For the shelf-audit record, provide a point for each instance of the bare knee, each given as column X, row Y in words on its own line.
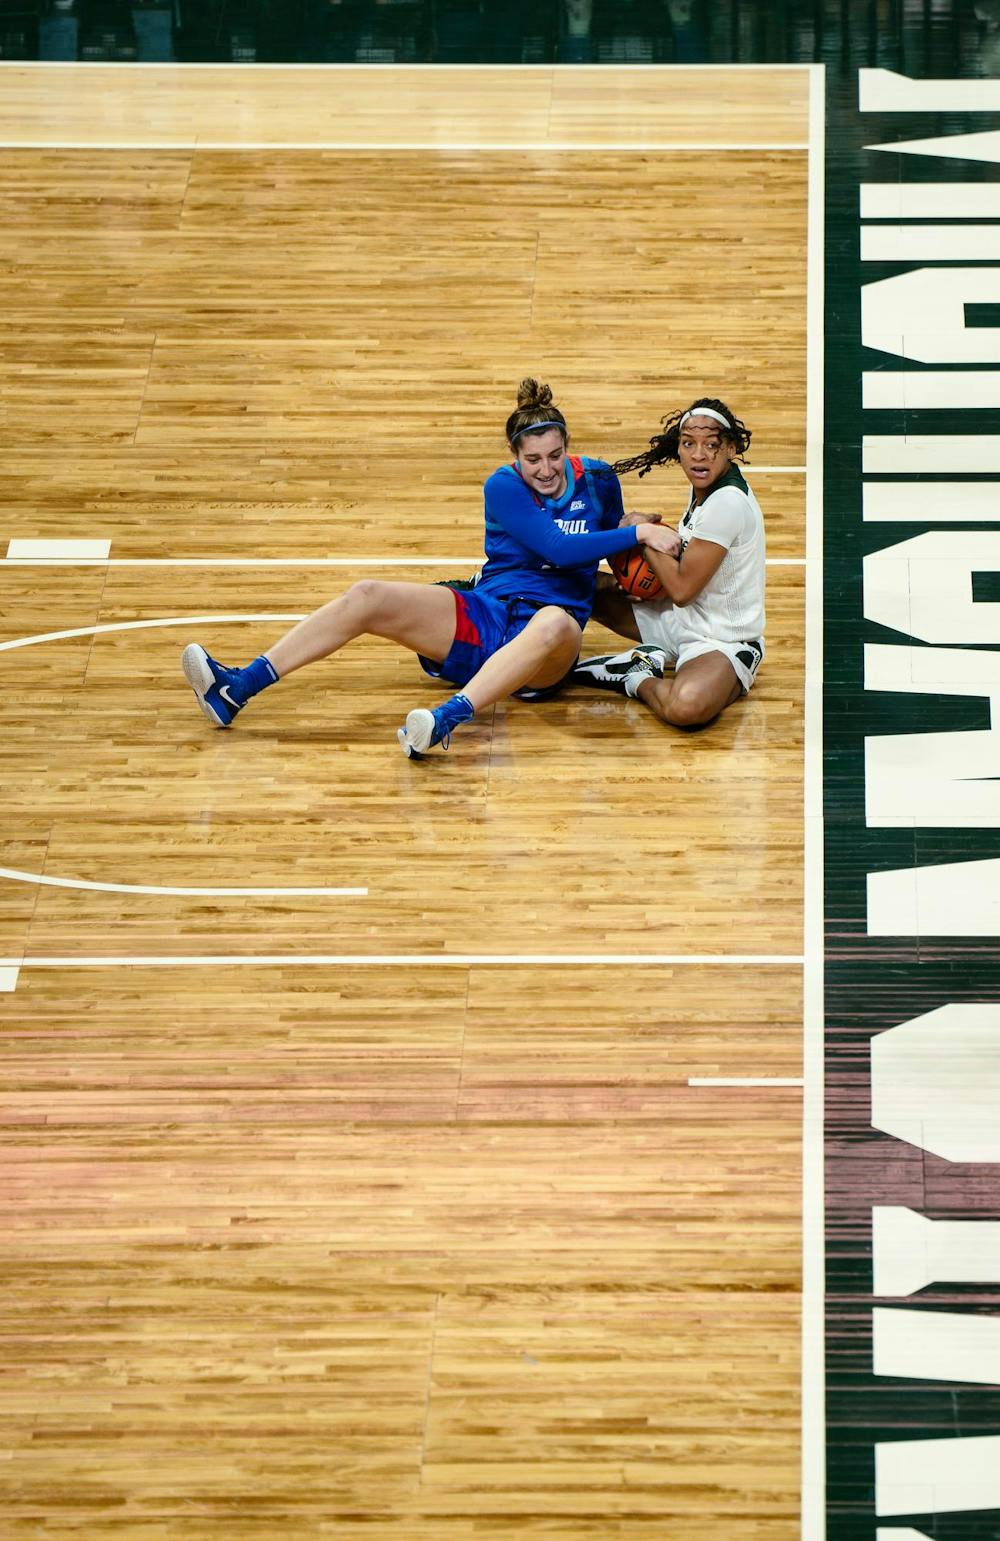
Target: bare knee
column 689, row 707
column 367, row 596
column 679, row 702
column 556, row 629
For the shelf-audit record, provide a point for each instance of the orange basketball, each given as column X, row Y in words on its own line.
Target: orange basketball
column 634, row 574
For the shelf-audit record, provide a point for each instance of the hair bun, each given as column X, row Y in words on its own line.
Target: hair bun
column 532, row 397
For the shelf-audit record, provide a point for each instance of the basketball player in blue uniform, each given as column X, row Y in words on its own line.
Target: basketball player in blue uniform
column 550, row 518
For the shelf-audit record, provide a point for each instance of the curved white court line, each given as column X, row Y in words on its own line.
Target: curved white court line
column 177, row 620
column 141, row 888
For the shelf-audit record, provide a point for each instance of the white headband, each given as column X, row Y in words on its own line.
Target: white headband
column 706, row 412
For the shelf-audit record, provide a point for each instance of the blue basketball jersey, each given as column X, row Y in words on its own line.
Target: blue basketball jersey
column 546, row 550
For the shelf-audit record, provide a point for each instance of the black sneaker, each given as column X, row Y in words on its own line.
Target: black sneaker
column 612, row 670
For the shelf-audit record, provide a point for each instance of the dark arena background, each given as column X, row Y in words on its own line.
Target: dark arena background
column 594, row 1134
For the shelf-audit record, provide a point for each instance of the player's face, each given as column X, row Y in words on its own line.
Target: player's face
column 542, row 461
column 704, row 453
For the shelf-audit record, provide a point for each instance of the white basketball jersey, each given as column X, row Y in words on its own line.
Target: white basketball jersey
column 730, row 608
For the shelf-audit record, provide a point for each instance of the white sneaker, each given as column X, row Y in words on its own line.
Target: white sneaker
column 417, row 733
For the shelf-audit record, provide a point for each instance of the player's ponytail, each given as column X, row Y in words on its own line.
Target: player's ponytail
column 535, row 412
column 663, row 447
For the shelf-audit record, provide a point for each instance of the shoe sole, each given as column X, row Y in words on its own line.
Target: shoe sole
column 416, row 733
column 194, row 662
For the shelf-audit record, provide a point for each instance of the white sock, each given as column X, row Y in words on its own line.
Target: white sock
column 635, row 677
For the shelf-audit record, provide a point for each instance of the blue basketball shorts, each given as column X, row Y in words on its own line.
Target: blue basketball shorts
column 482, row 625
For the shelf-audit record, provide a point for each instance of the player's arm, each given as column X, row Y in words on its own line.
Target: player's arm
column 671, row 536
column 634, row 518
column 719, row 526
column 510, row 504
column 686, row 575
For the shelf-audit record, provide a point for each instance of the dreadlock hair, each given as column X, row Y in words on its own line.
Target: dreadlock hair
column 663, row 446
column 535, row 410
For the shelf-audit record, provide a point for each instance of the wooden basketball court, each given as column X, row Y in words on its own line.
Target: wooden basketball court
column 369, row 1162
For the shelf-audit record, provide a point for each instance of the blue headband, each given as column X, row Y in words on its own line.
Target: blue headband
column 532, row 426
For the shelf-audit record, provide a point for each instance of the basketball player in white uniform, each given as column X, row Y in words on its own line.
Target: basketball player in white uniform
column 710, row 625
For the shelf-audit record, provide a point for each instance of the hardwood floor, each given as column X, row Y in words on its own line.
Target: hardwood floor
column 433, row 1239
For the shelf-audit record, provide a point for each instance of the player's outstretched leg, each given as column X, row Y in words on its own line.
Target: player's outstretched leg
column 420, row 616
column 424, row 729
column 621, row 672
column 222, row 692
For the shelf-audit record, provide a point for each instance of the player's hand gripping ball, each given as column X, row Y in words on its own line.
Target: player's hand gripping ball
column 634, row 574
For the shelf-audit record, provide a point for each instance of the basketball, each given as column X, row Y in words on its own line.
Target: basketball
column 634, row 574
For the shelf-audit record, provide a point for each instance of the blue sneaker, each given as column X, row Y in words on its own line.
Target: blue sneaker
column 425, row 729
column 212, row 684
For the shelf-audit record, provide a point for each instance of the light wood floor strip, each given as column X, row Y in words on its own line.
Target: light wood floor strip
column 421, row 105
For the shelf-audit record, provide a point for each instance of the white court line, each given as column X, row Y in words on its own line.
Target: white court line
column 248, row 562
column 410, row 960
column 175, row 620
column 440, row 147
column 813, row 1376
column 288, row 561
column 735, row 1080
column 8, row 977
column 175, row 65
column 143, row 888
column 62, row 550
